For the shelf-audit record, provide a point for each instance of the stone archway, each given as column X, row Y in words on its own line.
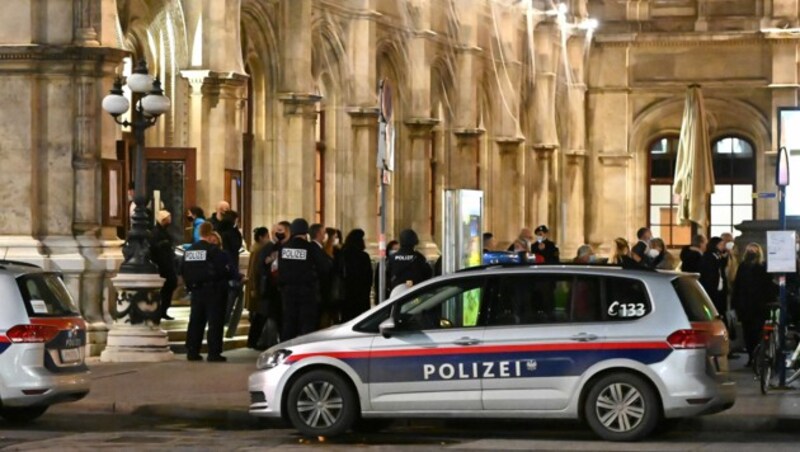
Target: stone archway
column 725, row 117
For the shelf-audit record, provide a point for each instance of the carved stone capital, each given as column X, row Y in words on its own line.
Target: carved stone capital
column 300, row 104
column 615, row 159
column 207, row 82
column 575, row 157
column 466, row 136
column 363, row 116
column 421, row 127
column 509, row 145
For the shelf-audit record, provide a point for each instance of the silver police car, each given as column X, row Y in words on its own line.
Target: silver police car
column 618, row 349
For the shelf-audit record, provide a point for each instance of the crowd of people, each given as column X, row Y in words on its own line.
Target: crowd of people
column 303, row 277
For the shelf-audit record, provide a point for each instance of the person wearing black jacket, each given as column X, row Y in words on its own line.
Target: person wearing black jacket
column 351, row 265
column 206, row 272
column 545, row 247
column 300, row 266
column 269, row 309
column 407, row 266
column 753, row 289
column 713, row 276
column 692, row 255
column 231, row 243
column 162, row 254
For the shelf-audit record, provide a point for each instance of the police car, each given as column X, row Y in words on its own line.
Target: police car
column 42, row 343
column 618, row 349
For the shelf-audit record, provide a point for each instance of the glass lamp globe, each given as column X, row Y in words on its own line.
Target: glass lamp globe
column 115, row 103
column 140, row 81
column 155, row 103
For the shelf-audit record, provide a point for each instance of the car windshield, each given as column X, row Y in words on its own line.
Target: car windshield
column 45, row 295
column 696, row 304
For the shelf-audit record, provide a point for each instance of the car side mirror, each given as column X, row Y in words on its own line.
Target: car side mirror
column 387, row 327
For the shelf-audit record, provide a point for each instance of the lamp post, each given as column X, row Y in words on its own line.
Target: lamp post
column 136, row 335
column 782, row 180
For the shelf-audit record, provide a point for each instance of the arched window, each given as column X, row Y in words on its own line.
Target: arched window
column 734, row 174
column 663, row 209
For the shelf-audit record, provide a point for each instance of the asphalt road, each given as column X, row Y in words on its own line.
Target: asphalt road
column 57, row 431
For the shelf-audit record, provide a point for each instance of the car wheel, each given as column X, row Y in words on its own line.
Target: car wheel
column 622, row 407
column 21, row 415
column 322, row 403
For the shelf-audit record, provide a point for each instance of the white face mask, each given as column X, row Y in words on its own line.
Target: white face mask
column 540, row 238
column 653, row 253
column 729, row 246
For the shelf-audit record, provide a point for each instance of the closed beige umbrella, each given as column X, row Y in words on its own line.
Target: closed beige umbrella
column 694, row 168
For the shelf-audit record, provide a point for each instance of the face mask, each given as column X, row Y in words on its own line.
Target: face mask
column 336, row 241
column 653, row 253
column 280, row 236
column 392, row 252
column 749, row 256
column 539, row 239
column 729, row 246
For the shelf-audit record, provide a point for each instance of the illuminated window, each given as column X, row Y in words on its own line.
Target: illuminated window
column 663, row 205
column 734, row 173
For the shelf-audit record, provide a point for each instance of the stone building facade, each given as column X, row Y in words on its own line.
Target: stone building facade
column 558, row 123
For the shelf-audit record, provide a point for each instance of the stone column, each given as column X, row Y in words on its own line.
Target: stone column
column 542, row 163
column 575, row 152
column 360, row 197
column 296, row 156
column 464, row 159
column 417, row 179
column 214, row 103
column 510, row 211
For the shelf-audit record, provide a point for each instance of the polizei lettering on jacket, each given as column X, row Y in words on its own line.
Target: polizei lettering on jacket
column 487, row 369
column 295, row 254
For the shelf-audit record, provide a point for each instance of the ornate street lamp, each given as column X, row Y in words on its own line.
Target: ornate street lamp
column 136, row 335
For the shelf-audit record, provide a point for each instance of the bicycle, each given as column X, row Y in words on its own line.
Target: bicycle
column 767, row 352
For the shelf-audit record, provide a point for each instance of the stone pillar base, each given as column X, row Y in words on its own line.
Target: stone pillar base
column 136, row 335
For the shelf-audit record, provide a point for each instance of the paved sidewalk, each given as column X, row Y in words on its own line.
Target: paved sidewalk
column 218, row 392
column 175, row 389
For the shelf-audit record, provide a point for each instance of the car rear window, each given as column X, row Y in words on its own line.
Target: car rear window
column 45, row 295
column 695, row 301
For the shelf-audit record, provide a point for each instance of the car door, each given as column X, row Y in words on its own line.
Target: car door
column 546, row 326
column 426, row 364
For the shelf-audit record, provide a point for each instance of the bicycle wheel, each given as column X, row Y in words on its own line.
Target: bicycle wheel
column 763, row 365
column 756, row 360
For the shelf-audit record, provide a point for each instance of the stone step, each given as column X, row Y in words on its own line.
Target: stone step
column 176, row 331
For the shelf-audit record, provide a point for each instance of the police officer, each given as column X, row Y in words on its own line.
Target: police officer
column 206, row 272
column 300, row 266
column 544, row 247
column 406, row 266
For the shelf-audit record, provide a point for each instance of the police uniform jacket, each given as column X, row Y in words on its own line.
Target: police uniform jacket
column 406, row 265
column 206, row 265
column 302, row 263
column 550, row 252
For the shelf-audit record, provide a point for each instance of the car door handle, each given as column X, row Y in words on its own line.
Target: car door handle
column 467, row 341
column 584, row 337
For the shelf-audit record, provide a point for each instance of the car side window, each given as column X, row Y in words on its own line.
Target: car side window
column 455, row 304
column 545, row 299
column 625, row 299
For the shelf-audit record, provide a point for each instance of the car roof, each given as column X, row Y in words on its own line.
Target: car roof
column 584, row 269
column 17, row 269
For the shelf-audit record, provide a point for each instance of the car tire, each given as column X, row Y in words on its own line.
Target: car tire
column 22, row 415
column 622, row 407
column 322, row 403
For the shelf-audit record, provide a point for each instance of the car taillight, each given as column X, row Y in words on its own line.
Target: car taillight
column 688, row 339
column 31, row 333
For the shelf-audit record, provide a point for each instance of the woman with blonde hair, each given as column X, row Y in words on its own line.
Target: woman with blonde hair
column 622, row 254
column 752, row 291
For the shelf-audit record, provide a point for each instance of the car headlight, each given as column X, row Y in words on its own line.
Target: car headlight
column 269, row 360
